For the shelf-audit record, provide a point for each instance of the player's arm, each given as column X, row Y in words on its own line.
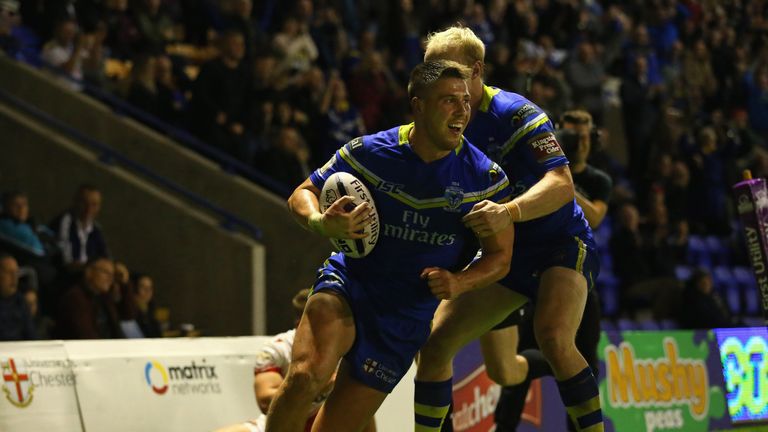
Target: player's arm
column 490, row 267
column 265, row 385
column 336, row 222
column 594, row 210
column 553, row 191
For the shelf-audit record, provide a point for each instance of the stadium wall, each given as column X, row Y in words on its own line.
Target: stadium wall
column 292, row 255
column 208, row 276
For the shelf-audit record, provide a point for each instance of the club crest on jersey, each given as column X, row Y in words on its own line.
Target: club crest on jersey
column 454, row 195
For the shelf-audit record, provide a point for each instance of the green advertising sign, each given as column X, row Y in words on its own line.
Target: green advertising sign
column 661, row 381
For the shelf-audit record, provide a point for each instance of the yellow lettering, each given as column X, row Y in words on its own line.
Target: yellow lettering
column 647, row 382
column 657, row 382
column 662, row 379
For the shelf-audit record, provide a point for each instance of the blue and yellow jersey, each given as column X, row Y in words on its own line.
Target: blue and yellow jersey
column 420, row 207
column 518, row 135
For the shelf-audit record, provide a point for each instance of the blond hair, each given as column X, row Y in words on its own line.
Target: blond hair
column 459, row 38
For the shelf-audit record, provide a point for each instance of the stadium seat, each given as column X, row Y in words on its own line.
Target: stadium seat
column 131, row 329
column 754, row 321
column 649, row 325
column 719, row 250
column 608, row 288
column 668, row 324
column 745, row 278
column 698, row 253
column 733, row 299
column 606, row 261
column 625, row 324
column 722, row 277
column 683, row 273
column 751, row 301
column 607, row 325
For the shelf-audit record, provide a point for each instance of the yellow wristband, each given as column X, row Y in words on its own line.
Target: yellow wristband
column 315, row 223
column 519, row 212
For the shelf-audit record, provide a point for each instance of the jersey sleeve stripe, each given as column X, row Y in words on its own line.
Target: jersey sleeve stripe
column 526, row 129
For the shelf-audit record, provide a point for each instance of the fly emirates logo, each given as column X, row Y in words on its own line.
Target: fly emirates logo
column 414, row 227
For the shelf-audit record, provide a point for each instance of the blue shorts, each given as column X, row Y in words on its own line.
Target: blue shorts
column 386, row 341
column 530, row 261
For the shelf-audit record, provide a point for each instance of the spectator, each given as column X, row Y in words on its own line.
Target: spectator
column 9, row 19
column 639, row 100
column 15, row 320
column 586, row 75
column 144, row 289
column 43, row 324
column 757, row 98
column 155, row 26
column 288, row 159
column 142, row 90
column 704, row 308
column 79, row 235
column 296, row 49
column 123, row 35
column 221, row 97
column 240, row 18
column 87, row 310
column 374, row 91
column 593, row 186
column 343, row 121
column 65, row 52
column 707, row 192
column 122, row 292
column 96, row 54
column 699, row 78
column 15, row 223
column 170, row 94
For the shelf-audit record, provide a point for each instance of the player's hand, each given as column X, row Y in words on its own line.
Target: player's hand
column 487, row 218
column 344, row 220
column 443, row 284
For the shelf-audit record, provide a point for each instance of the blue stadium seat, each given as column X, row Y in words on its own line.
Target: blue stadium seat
column 698, row 253
column 752, row 301
column 719, row 250
column 668, row 324
column 733, row 299
column 608, row 287
column 607, row 325
column 625, row 324
column 606, row 261
column 683, row 273
column 649, row 324
column 722, row 276
column 754, row 321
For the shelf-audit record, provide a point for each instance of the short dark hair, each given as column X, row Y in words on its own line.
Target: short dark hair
column 427, row 73
column 10, row 196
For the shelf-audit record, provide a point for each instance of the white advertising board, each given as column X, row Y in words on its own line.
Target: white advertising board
column 38, row 390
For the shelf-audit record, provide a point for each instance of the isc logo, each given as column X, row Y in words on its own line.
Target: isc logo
column 386, row 186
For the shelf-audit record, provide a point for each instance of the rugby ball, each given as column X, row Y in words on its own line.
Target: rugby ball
column 338, row 185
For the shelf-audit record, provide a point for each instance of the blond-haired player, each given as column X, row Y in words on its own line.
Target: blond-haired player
column 554, row 260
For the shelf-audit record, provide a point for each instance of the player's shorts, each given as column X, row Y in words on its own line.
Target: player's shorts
column 529, row 261
column 517, row 317
column 386, row 341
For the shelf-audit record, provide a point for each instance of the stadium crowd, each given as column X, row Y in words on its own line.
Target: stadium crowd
column 678, row 91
